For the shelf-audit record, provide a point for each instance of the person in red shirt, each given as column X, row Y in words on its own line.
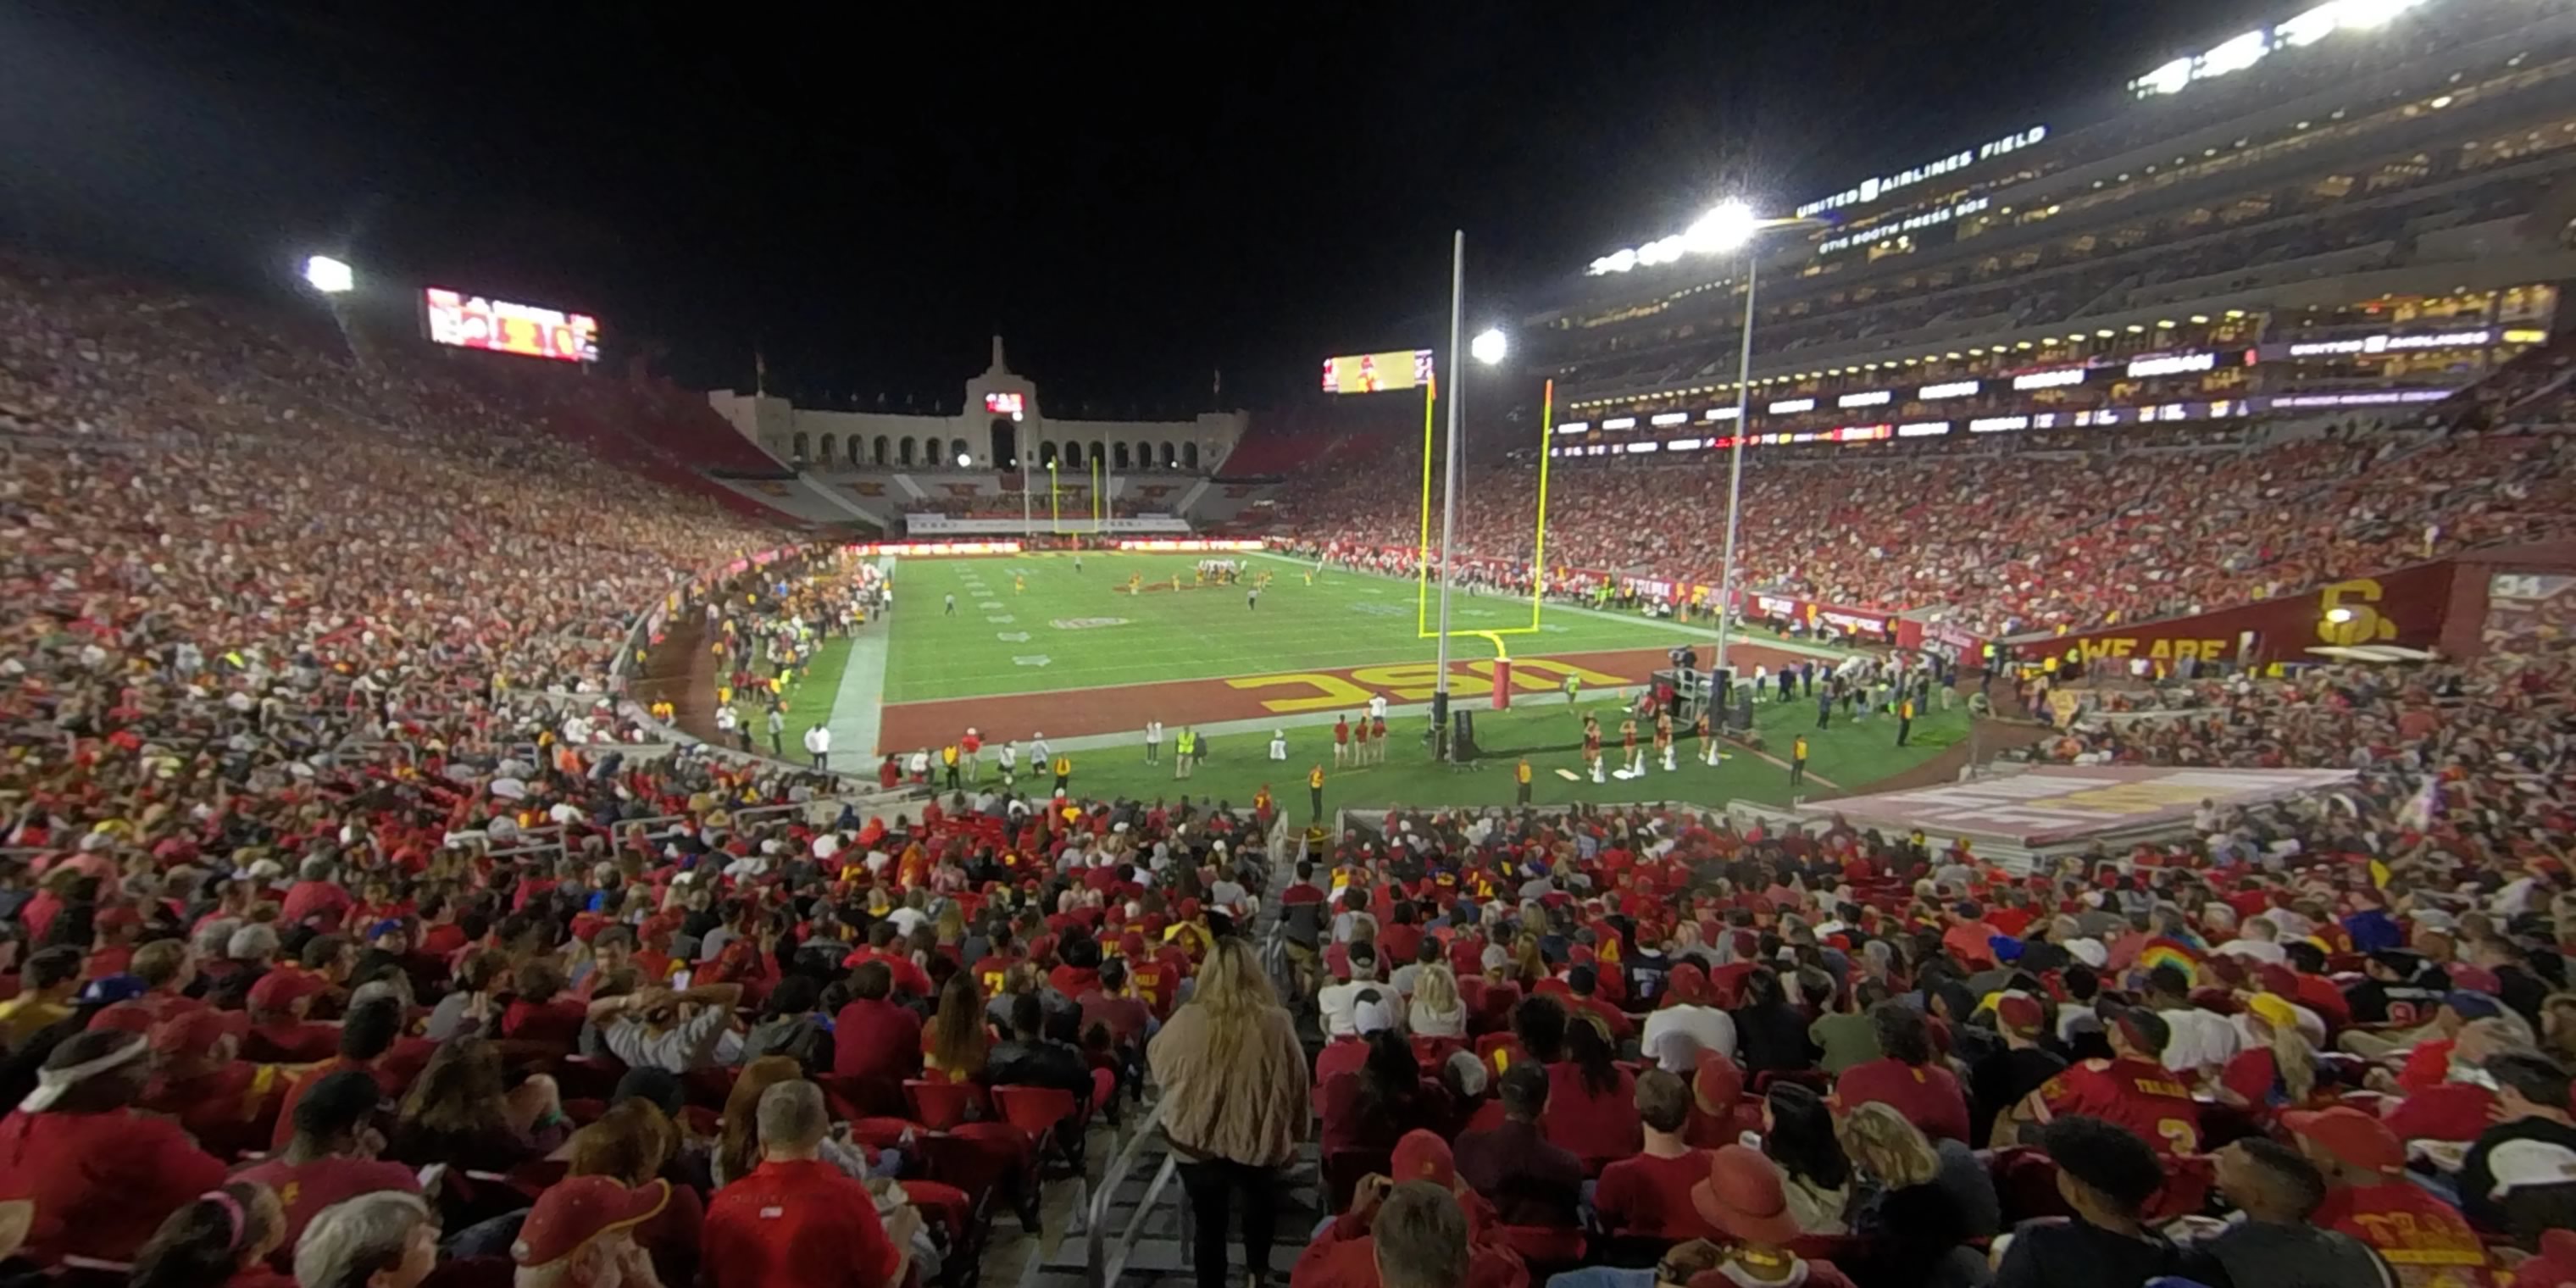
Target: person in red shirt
column 112, row 951
column 1110, row 1003
column 440, row 936
column 582, row 1231
column 1905, row 1077
column 372, row 1043
column 1303, row 889
column 902, row 972
column 797, row 1221
column 278, row 1029
column 1591, row 1101
column 1648, row 1195
column 317, row 898
column 2132, row 1089
column 542, row 1013
column 873, row 1037
column 330, row 1155
column 229, row 1105
column 1419, row 1219
column 90, row 1176
column 1582, row 983
column 167, row 967
column 2425, row 1240
column 1969, row 935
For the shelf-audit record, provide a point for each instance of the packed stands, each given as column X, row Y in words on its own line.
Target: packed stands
column 2007, row 538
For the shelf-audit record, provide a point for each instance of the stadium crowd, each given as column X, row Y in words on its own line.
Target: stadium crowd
column 2003, row 540
column 338, row 952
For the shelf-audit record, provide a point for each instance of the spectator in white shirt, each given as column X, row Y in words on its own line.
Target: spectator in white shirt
column 658, row 1028
column 1687, row 1010
column 2257, row 941
column 1339, row 1002
column 2202, row 1040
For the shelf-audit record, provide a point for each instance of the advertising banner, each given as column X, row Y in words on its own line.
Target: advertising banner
column 2405, row 607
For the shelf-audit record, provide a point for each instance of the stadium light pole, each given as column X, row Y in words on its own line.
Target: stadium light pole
column 1733, row 226
column 1490, row 346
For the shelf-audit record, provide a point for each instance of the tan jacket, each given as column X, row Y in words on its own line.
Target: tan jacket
column 1250, row 1110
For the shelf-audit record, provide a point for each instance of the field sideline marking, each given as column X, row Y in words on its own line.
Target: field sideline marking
column 857, row 711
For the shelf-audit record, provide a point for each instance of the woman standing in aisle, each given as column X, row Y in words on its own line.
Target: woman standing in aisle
column 1233, row 1078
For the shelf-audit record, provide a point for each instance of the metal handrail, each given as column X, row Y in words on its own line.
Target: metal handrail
column 1102, row 1263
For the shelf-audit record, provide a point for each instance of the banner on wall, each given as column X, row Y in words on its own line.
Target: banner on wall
column 2406, row 608
column 1187, row 547
column 901, row 548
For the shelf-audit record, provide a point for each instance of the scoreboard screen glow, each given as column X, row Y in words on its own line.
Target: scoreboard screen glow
column 1370, row 373
column 480, row 322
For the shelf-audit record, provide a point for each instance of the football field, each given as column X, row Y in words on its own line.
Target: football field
column 1031, row 624
column 1085, row 658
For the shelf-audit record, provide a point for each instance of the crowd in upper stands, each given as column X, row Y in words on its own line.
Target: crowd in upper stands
column 2001, row 540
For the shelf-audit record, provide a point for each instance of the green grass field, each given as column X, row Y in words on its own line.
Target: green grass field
column 1849, row 753
column 1091, row 633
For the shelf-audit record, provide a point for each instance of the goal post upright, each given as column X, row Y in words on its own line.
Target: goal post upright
column 1538, row 545
column 1422, row 547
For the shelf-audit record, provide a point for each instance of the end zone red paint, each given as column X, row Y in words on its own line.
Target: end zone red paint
column 1125, row 708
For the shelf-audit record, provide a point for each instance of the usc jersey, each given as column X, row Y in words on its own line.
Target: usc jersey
column 2137, row 1094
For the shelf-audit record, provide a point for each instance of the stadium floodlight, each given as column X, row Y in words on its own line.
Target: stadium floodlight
column 1489, row 346
column 964, row 460
column 1724, row 229
column 328, row 275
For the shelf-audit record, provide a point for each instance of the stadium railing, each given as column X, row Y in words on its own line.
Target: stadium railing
column 1105, row 1255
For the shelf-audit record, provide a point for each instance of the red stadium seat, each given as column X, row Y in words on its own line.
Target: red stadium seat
column 940, row 1104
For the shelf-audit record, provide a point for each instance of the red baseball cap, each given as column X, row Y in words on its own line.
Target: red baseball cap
column 195, row 1032
column 2019, row 1012
column 577, row 1210
column 280, row 989
column 1686, row 983
column 1716, row 1084
column 2350, row 1135
column 1422, row 1156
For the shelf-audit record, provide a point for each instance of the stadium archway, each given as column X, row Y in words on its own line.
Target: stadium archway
column 825, row 455
column 1099, row 453
column 1144, row 456
column 880, row 450
column 857, row 450
column 1046, row 456
column 1072, row 455
column 956, row 450
column 906, row 452
column 801, row 445
column 1006, row 444
column 1118, row 459
column 1168, row 456
column 1190, row 455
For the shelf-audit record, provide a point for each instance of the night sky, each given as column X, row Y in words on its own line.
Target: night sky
column 1134, row 198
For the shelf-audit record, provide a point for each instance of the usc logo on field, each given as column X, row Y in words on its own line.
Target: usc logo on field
column 2346, row 614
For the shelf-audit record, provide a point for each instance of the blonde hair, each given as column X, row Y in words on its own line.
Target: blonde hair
column 1882, row 1143
column 2292, row 1058
column 1234, row 996
column 1435, row 991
